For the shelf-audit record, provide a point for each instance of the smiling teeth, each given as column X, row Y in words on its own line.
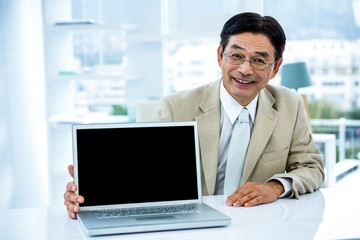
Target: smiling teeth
column 241, row 81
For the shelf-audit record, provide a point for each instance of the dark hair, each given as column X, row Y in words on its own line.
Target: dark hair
column 255, row 23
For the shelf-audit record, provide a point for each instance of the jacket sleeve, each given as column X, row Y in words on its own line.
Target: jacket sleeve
column 305, row 166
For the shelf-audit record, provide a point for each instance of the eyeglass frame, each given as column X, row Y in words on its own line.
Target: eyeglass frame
column 250, row 61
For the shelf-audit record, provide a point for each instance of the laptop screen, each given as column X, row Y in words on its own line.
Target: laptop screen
column 136, row 162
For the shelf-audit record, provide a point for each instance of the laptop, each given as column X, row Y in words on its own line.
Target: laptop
column 140, row 177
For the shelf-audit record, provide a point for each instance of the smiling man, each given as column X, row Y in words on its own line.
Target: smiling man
column 281, row 159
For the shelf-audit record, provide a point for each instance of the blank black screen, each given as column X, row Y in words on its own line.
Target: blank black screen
column 137, row 164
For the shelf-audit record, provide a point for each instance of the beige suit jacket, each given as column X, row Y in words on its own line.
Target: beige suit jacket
column 281, row 144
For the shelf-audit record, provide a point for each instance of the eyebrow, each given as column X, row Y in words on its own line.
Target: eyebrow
column 263, row 54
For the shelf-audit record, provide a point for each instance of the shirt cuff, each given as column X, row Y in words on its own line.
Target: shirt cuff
column 286, row 184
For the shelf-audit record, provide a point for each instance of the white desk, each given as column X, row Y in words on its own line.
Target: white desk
column 330, row 213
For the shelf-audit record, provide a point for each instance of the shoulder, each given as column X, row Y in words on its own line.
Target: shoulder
column 280, row 94
column 187, row 104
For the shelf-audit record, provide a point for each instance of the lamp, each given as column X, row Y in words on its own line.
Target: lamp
column 296, row 75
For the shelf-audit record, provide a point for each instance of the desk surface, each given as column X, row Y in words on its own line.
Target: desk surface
column 330, row 213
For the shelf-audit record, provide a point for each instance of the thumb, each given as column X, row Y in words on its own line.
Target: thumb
column 71, row 170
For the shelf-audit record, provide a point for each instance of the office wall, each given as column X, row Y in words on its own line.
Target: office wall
column 22, row 106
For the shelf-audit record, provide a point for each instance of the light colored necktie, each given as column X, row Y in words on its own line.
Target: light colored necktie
column 237, row 151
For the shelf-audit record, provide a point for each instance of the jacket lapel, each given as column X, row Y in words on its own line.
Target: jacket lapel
column 265, row 121
column 209, row 134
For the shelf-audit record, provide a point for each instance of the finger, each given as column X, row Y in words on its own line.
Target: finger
column 71, row 187
column 73, row 198
column 234, row 199
column 73, row 210
column 72, row 214
column 231, row 199
column 73, row 207
column 238, row 201
column 254, row 201
column 242, row 192
column 71, row 170
column 241, row 197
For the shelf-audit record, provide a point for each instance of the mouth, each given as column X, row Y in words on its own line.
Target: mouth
column 242, row 81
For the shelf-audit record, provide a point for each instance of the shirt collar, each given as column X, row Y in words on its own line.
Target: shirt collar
column 232, row 108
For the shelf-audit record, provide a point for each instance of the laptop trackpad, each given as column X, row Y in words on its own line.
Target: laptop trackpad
column 155, row 218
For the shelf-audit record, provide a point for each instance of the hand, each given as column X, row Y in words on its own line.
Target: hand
column 71, row 198
column 251, row 194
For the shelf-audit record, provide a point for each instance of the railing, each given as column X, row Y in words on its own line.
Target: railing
column 347, row 135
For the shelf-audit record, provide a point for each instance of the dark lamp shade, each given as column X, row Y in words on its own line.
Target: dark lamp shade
column 295, row 75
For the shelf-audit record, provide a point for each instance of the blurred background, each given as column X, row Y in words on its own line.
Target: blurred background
column 81, row 61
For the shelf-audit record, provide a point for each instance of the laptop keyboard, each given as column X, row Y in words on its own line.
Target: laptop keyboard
column 141, row 211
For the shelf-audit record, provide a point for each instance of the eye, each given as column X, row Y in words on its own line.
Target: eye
column 259, row 61
column 236, row 56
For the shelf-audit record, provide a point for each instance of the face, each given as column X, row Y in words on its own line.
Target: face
column 242, row 81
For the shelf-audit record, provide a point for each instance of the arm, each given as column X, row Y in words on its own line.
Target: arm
column 304, row 166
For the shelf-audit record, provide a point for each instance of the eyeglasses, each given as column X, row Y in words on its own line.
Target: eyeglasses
column 256, row 63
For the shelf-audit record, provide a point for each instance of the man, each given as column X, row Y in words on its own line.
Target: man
column 282, row 159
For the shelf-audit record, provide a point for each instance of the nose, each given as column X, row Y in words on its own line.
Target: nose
column 245, row 68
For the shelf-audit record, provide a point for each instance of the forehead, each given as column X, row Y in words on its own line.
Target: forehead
column 251, row 43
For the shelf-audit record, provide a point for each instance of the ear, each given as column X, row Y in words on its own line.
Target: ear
column 276, row 68
column 219, row 55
